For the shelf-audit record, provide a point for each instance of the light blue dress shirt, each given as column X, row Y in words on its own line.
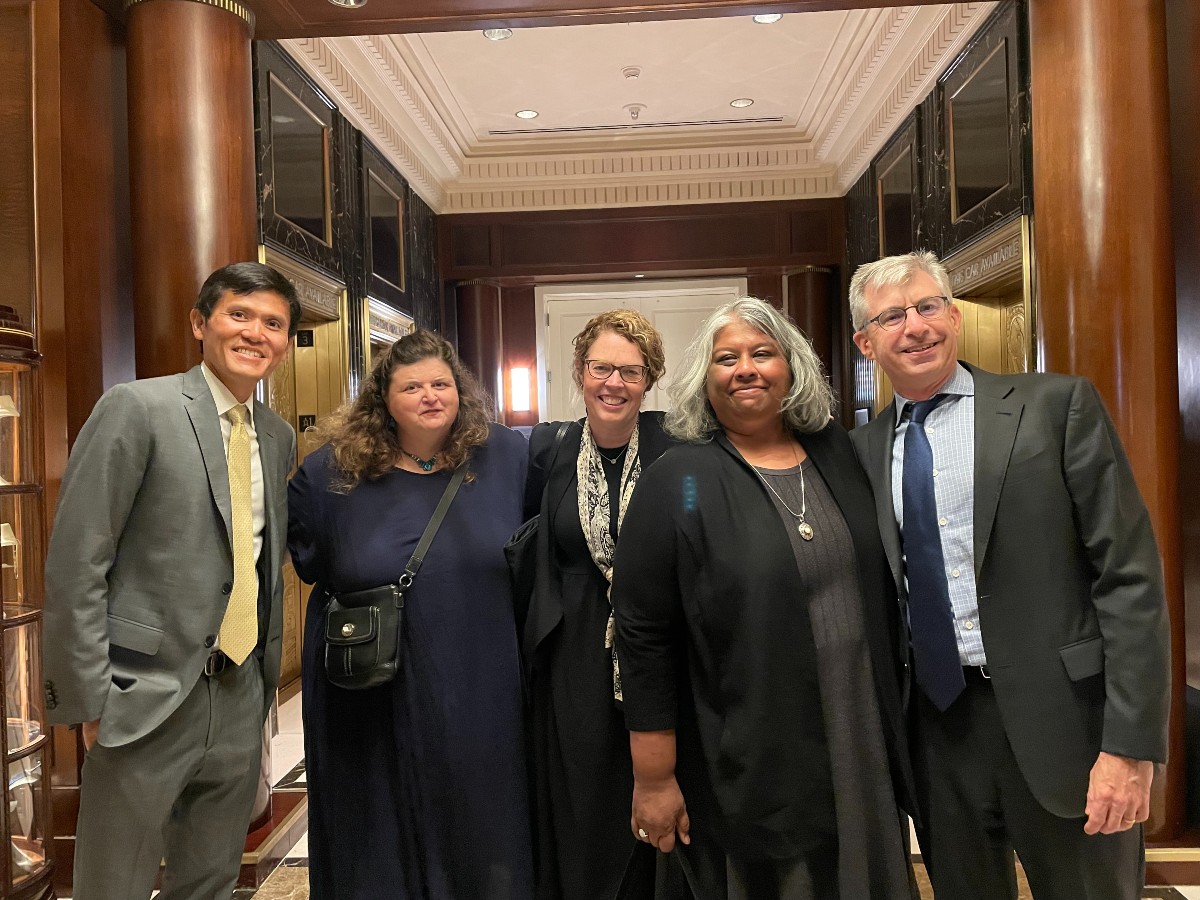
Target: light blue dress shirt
column 951, row 432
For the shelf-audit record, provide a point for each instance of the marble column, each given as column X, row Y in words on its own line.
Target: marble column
column 192, row 166
column 1104, row 260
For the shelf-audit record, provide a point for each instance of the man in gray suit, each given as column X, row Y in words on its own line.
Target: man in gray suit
column 163, row 592
column 1034, row 597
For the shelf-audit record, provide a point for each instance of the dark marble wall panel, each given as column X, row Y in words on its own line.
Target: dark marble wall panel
column 1002, row 41
column 900, row 215
column 424, row 282
column 862, row 246
column 270, row 62
column 933, row 222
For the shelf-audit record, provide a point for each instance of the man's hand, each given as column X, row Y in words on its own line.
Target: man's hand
column 90, row 731
column 659, row 813
column 1118, row 794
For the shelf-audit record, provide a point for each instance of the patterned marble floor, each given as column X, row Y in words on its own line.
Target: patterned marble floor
column 290, row 880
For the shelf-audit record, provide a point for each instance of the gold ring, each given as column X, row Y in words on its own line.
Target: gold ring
column 643, row 835
column 1129, row 821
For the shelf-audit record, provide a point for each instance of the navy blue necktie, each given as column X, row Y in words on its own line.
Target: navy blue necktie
column 935, row 648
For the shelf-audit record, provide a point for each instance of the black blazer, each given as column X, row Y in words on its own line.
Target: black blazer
column 706, row 594
column 546, row 491
column 1069, row 579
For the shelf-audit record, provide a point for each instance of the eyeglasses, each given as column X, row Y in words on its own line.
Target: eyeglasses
column 893, row 316
column 602, row 370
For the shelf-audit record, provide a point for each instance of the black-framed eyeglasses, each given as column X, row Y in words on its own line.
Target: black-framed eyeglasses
column 601, row 371
column 893, row 316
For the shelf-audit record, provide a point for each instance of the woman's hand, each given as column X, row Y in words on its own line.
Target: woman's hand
column 659, row 813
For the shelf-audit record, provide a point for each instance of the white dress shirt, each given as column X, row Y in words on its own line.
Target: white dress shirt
column 950, row 428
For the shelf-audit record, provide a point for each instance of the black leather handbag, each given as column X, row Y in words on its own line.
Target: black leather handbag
column 521, row 550
column 362, row 628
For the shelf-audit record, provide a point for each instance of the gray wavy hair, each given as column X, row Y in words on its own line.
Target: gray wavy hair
column 808, row 405
column 893, row 270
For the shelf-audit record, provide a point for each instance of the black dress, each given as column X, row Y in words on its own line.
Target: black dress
column 719, row 642
column 417, row 788
column 583, row 777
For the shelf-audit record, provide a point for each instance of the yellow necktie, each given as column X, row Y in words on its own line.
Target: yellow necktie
column 239, row 628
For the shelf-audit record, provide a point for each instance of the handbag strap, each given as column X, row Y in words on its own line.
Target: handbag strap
column 431, row 529
column 558, row 439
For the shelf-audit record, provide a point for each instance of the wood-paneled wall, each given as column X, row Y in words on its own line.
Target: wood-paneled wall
column 664, row 240
column 763, row 241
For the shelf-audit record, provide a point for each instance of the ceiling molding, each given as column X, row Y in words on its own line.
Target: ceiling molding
column 883, row 63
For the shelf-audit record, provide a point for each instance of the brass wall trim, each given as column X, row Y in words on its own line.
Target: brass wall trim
column 1172, row 854
column 230, row 6
column 384, row 324
column 996, row 255
column 320, row 295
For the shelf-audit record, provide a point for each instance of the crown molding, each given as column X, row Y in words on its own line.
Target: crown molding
column 390, row 89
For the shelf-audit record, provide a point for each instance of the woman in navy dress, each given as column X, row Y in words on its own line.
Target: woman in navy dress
column 417, row 788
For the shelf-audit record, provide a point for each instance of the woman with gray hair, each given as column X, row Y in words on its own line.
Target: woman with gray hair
column 758, row 633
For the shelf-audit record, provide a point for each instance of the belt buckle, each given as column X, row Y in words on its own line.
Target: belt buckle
column 215, row 662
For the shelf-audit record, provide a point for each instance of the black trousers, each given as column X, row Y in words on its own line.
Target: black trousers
column 977, row 810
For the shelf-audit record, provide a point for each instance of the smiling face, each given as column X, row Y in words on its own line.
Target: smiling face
column 244, row 339
column 748, row 378
column 920, row 354
column 422, row 399
column 612, row 404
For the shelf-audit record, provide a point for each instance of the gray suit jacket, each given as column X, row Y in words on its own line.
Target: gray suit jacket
column 140, row 566
column 1069, row 579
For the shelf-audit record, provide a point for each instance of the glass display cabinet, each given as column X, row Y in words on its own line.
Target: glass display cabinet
column 25, row 868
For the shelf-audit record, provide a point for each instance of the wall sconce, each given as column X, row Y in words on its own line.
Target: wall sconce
column 519, row 389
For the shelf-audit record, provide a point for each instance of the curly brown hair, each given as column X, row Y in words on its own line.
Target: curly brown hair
column 363, row 434
column 631, row 325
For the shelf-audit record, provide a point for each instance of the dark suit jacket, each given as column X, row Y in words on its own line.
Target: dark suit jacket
column 715, row 641
column 1069, row 580
column 140, row 564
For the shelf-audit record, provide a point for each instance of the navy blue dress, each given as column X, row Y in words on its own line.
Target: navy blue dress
column 417, row 788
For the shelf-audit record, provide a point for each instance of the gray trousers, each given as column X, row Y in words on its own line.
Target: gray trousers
column 182, row 793
column 978, row 810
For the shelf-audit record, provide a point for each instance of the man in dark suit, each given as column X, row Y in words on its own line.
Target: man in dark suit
column 1034, row 597
column 163, row 591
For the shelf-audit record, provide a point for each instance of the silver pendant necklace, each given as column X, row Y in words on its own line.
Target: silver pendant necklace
column 612, row 461
column 805, row 530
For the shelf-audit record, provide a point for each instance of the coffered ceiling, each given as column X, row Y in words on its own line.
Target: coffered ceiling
column 638, row 113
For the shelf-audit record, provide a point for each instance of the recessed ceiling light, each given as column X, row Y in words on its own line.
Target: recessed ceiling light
column 527, row 114
column 349, row 4
column 768, row 18
column 639, row 276
column 741, row 102
column 497, row 34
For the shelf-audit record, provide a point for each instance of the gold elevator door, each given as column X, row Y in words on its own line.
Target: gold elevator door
column 305, row 389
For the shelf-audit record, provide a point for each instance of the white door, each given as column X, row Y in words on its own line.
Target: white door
column 676, row 309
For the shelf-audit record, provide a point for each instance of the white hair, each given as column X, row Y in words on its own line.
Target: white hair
column 892, row 270
column 808, row 405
